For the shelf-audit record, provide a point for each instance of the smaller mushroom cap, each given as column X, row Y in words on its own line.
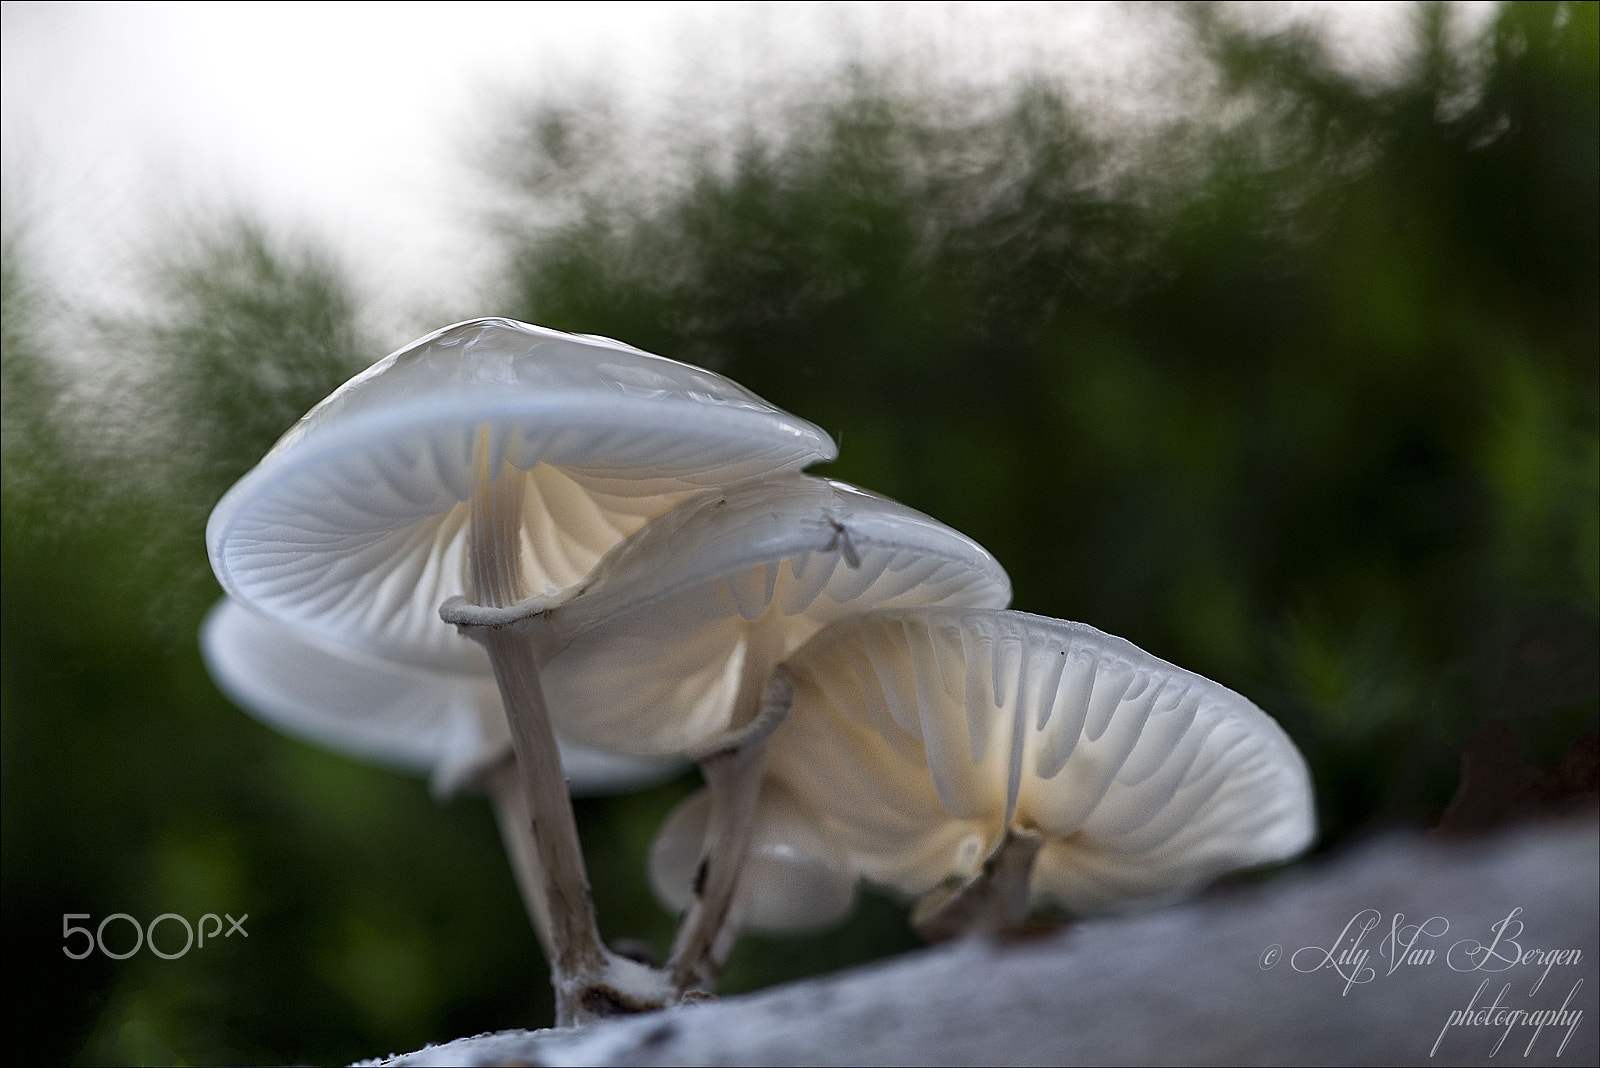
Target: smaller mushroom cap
column 795, row 878
column 693, row 611
column 921, row 736
column 354, row 527
column 449, row 726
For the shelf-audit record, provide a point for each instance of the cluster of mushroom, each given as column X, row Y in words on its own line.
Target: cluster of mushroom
column 502, row 532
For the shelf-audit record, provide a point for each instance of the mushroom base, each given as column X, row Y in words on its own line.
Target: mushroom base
column 623, row 988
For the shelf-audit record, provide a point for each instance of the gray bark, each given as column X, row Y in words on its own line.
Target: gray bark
column 1197, row 983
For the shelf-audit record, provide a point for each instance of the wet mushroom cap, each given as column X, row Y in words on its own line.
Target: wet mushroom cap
column 695, row 609
column 443, row 724
column 353, row 527
column 795, row 878
column 920, row 736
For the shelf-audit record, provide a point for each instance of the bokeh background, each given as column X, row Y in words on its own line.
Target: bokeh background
column 1279, row 364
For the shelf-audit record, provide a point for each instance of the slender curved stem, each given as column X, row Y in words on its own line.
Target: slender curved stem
column 511, row 814
column 585, row 975
column 733, row 775
column 575, row 940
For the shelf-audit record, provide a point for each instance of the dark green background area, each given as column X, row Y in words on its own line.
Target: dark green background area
column 1305, row 401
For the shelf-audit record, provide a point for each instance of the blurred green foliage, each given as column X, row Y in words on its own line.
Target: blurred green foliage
column 1302, row 397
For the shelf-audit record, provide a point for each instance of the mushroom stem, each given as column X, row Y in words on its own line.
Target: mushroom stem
column 511, row 814
column 578, row 960
column 733, row 775
column 581, row 968
column 994, row 901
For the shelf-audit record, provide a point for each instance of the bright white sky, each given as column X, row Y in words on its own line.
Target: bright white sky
column 358, row 122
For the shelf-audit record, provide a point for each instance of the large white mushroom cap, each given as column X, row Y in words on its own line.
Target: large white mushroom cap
column 921, row 736
column 353, row 527
column 442, row 724
column 680, row 625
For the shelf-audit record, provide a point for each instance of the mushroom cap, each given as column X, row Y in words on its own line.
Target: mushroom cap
column 795, row 878
column 353, row 527
column 711, row 596
column 921, row 735
column 443, row 724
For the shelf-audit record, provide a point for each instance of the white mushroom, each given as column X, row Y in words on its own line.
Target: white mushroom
column 670, row 648
column 490, row 465
column 996, row 762
column 358, row 522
